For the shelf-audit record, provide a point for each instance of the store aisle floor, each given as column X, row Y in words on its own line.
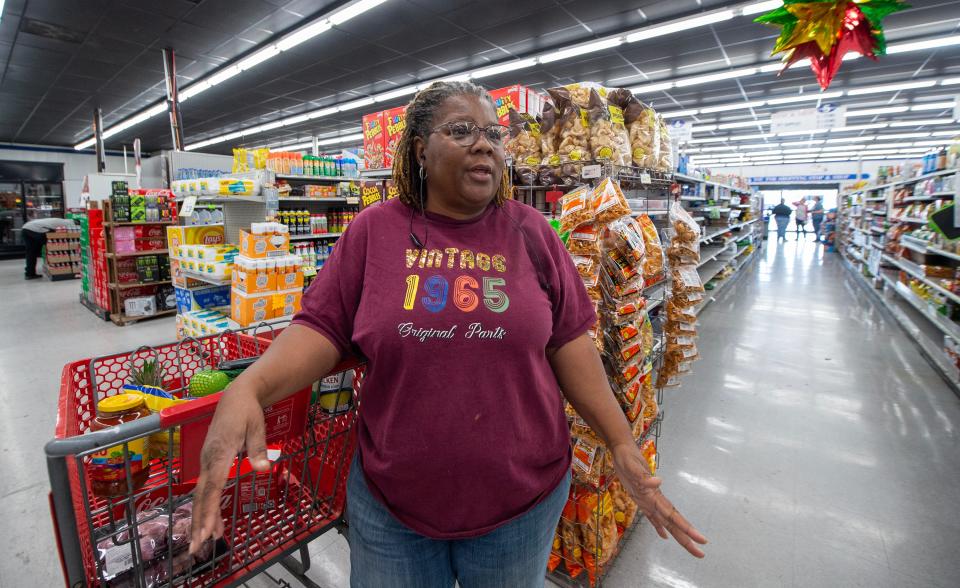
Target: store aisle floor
column 812, row 444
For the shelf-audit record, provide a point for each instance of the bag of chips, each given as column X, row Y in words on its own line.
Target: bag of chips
column 598, row 528
column 576, row 208
column 686, row 299
column 662, row 147
column 609, row 140
column 570, row 537
column 624, row 508
column 584, row 240
column 549, row 130
column 524, row 143
column 686, row 280
column 609, row 201
column 573, row 121
column 625, row 235
column 653, row 260
column 641, row 122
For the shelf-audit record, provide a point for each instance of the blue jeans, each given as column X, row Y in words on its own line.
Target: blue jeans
column 385, row 553
column 782, row 222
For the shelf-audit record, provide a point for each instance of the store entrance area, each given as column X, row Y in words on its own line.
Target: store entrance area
column 792, row 195
column 808, row 446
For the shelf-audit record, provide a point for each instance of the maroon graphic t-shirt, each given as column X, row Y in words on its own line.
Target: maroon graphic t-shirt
column 461, row 423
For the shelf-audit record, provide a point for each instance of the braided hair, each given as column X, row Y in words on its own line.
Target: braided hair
column 420, row 114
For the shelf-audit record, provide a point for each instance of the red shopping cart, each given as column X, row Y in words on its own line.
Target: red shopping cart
column 140, row 537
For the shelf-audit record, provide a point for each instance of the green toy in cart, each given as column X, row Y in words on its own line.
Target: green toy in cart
column 207, row 382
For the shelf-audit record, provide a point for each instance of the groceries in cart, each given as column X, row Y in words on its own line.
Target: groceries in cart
column 154, row 550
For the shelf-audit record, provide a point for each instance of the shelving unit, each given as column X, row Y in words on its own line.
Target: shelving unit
column 315, row 237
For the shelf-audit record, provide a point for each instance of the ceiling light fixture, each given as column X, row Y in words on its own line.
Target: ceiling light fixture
column 680, row 113
column 504, row 67
column 724, row 75
column 876, row 111
column 950, row 82
column 920, row 45
column 760, row 7
column 680, row 25
column 933, row 106
column 922, row 122
column 734, row 106
column 580, row 50
column 891, row 88
column 804, row 98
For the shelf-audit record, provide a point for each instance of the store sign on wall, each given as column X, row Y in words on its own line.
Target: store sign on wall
column 812, row 178
column 826, row 116
column 680, row 131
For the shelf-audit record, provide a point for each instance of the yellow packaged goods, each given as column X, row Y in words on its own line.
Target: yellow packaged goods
column 203, row 235
column 592, row 283
column 618, row 267
column 624, row 508
column 237, row 187
column 576, row 208
column 570, row 536
column 573, row 120
column 287, row 303
column 598, row 527
column 642, row 128
column 524, row 143
column 665, row 155
column 246, row 309
column 609, row 201
column 252, row 276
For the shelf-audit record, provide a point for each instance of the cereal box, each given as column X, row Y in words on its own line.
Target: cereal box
column 504, row 99
column 395, row 120
column 374, row 140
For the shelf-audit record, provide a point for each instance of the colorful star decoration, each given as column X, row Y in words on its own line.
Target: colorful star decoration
column 823, row 31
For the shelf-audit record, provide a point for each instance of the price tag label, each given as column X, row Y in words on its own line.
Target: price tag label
column 645, row 178
column 353, row 200
column 189, row 203
column 590, row 172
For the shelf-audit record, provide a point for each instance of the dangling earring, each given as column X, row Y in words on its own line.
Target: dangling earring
column 423, row 176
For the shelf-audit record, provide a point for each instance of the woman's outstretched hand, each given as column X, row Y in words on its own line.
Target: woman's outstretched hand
column 635, row 476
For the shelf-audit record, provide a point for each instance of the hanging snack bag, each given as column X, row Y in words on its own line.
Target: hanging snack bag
column 653, row 260
column 570, row 537
column 609, row 201
column 686, row 299
column 598, row 528
column 576, row 208
column 591, row 460
column 593, row 283
column 586, row 265
column 584, row 240
column 679, row 314
column 686, row 280
column 624, row 508
column 622, row 269
column 641, row 127
column 556, row 553
column 524, row 143
column 573, row 121
column 626, row 236
column 549, row 130
column 662, row 148
column 548, row 174
column 609, row 140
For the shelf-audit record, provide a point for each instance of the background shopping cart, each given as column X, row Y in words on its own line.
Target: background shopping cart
column 268, row 516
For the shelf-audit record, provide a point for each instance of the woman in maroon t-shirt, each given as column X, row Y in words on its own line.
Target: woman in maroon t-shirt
column 473, row 319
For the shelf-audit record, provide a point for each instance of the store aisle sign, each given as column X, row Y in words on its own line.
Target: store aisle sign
column 680, row 131
column 811, row 178
column 826, row 116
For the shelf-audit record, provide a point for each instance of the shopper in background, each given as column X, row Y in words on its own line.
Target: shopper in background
column 816, row 216
column 781, row 215
column 800, row 217
column 35, row 237
column 474, row 320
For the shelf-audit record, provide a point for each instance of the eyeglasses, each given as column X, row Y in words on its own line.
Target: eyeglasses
column 467, row 133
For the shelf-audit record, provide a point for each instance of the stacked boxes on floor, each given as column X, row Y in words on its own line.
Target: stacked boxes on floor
column 62, row 256
column 267, row 281
column 98, row 258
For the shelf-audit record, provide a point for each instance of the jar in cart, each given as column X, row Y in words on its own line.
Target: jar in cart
column 107, row 468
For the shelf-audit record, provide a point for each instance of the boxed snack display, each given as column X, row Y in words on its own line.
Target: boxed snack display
column 251, row 308
column 371, row 193
column 177, row 236
column 211, row 297
column 374, row 140
column 516, row 97
column 255, row 245
column 395, row 120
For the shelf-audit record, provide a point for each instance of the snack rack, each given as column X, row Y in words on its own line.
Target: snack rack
column 105, row 541
column 594, row 525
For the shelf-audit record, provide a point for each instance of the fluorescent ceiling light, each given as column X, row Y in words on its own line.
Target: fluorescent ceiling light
column 267, row 127
column 946, row 133
column 650, row 88
column 865, row 127
column 504, row 67
column 891, row 88
column 902, row 136
column 258, row 57
column 293, row 120
column 303, row 35
column 679, row 113
column 580, row 50
column 812, row 150
column 845, row 148
column 876, row 111
column 755, row 136
column 711, row 149
column 704, row 128
column 850, row 140
column 744, row 124
column 724, row 75
column 194, row 89
column 405, row 91
column 680, row 25
column 800, row 143
column 799, row 133
column 710, row 140
column 950, row 82
column 932, row 106
column 920, row 45
column 324, row 112
column 223, row 75
column 343, row 139
column 734, row 106
column 766, row 153
column 760, row 7
column 356, row 9
column 929, row 143
column 922, row 122
column 804, row 98
column 356, row 104
column 758, row 145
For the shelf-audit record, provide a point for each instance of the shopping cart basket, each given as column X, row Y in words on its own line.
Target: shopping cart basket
column 140, row 539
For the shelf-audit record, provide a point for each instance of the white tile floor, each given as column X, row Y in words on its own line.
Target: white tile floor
column 812, row 444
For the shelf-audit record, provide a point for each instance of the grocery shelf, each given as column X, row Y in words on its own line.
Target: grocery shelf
column 875, row 199
column 203, row 277
column 876, row 245
column 917, row 272
column 139, row 224
column 336, row 200
column 314, row 237
column 938, row 251
column 716, row 234
column 936, row 174
column 139, row 253
column 710, row 270
column 911, row 219
column 709, row 253
column 711, row 295
column 385, row 172
column 693, row 199
column 928, row 197
column 316, row 178
column 116, row 286
column 693, row 180
column 938, row 320
column 912, row 246
column 877, row 230
column 221, row 199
